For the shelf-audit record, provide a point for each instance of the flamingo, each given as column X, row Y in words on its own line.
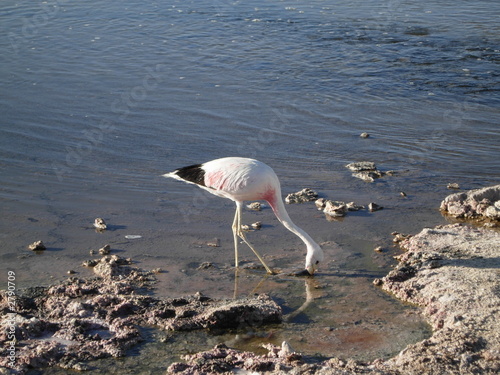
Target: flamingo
column 242, row 179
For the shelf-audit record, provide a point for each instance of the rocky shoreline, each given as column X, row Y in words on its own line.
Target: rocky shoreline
column 451, row 272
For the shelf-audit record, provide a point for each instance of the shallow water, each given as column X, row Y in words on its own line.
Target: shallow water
column 100, row 98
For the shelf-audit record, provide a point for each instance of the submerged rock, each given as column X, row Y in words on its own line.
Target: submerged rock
column 474, row 204
column 100, row 224
column 365, row 170
column 305, row 195
column 37, row 246
column 374, row 207
column 335, row 208
column 361, row 166
column 256, row 206
column 105, row 250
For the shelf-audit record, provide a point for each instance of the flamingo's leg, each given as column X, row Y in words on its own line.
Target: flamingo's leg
column 236, row 225
column 241, row 234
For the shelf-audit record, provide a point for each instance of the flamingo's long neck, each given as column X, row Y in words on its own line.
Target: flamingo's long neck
column 280, row 211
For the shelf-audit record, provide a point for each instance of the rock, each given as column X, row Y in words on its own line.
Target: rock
column 368, row 176
column 473, row 204
column 100, row 224
column 374, row 207
column 493, row 212
column 257, row 225
column 379, row 249
column 365, row 170
column 305, row 195
column 351, row 206
column 453, row 185
column 221, row 359
column 256, row 206
column 205, row 266
column 398, row 237
column 320, row 203
column 364, row 135
column 214, row 243
column 37, row 246
column 335, row 208
column 90, row 263
column 106, row 249
column 361, row 166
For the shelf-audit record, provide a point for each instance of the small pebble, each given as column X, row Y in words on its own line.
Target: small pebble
column 398, row 237
column 214, row 243
column 37, row 246
column 454, row 186
column 105, row 250
column 364, row 135
column 100, row 224
column 92, row 251
column 90, row 263
column 205, row 266
column 402, row 193
column 379, row 249
column 71, row 272
column 374, row 207
column 256, row 206
column 377, row 282
column 257, row 225
column 132, row 236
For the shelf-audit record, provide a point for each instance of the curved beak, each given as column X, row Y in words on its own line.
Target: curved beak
column 311, row 269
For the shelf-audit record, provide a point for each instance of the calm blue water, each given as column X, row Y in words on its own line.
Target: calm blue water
column 99, row 98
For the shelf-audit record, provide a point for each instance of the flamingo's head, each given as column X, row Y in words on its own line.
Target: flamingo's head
column 313, row 257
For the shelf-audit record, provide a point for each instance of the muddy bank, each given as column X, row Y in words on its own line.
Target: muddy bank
column 68, row 324
column 451, row 272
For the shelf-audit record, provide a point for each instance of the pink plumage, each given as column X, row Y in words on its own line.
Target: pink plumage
column 242, row 179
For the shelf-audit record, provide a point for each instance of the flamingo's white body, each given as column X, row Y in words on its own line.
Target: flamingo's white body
column 242, row 179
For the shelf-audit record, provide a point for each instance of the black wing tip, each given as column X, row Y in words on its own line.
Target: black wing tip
column 192, row 173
